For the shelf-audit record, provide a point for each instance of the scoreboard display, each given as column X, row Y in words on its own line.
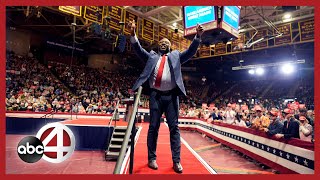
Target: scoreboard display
column 193, row 15
column 221, row 23
column 231, row 16
column 230, row 19
column 198, row 14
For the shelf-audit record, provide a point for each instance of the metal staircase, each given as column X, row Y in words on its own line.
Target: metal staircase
column 116, row 141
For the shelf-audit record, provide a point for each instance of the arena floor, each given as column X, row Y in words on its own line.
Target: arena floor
column 222, row 159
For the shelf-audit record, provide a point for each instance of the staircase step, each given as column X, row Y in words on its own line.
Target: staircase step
column 121, row 127
column 113, row 153
column 119, row 133
column 118, row 139
column 115, row 146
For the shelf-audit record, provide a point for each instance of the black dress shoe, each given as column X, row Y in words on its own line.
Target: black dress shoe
column 153, row 164
column 177, row 167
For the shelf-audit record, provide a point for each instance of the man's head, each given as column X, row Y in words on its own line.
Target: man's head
column 303, row 112
column 259, row 113
column 287, row 113
column 258, row 110
column 310, row 113
column 273, row 114
column 303, row 119
column 164, row 45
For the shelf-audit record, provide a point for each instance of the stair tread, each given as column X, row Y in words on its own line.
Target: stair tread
column 118, row 139
column 119, row 133
column 113, row 153
column 120, row 127
column 115, row 146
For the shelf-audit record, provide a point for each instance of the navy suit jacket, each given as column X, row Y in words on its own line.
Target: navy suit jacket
column 293, row 129
column 175, row 59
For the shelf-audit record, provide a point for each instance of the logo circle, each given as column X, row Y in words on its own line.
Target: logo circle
column 58, row 141
column 30, row 149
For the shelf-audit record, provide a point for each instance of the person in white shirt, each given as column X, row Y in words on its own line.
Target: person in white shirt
column 240, row 121
column 229, row 115
column 305, row 129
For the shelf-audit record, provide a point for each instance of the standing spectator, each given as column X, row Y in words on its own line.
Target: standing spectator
column 305, row 129
column 303, row 112
column 261, row 121
column 276, row 125
column 240, row 121
column 290, row 128
column 229, row 115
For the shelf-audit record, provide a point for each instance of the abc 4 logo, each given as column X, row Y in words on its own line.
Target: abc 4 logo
column 30, row 149
column 54, row 143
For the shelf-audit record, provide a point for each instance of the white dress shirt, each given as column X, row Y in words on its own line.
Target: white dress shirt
column 167, row 80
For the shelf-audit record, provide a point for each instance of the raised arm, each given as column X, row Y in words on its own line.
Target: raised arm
column 141, row 53
column 192, row 50
column 306, row 130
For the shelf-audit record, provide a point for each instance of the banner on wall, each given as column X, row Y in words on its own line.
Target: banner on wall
column 205, row 51
column 175, row 41
column 115, row 14
column 261, row 33
column 184, row 45
column 52, row 43
column 286, row 37
column 162, row 33
column 235, row 43
column 94, row 14
column 220, row 49
column 129, row 17
column 74, row 10
column 147, row 30
column 306, row 29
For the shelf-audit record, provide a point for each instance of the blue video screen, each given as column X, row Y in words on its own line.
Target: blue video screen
column 231, row 16
column 198, row 14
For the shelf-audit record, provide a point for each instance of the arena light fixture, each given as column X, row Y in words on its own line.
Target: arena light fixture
column 287, row 17
column 255, row 66
column 287, row 69
column 251, row 71
column 260, row 71
column 174, row 24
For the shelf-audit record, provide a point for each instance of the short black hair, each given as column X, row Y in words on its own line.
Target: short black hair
column 303, row 110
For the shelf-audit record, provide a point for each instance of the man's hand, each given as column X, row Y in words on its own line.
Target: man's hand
column 132, row 27
column 279, row 136
column 199, row 30
column 265, row 129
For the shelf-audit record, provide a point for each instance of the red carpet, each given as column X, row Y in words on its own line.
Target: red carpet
column 190, row 164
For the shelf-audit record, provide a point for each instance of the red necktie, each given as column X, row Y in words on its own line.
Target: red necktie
column 160, row 71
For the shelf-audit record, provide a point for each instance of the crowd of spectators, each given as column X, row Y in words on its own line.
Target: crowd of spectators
column 63, row 88
column 30, row 86
column 274, row 122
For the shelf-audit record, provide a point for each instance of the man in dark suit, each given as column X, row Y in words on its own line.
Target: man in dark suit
column 162, row 80
column 290, row 128
column 276, row 126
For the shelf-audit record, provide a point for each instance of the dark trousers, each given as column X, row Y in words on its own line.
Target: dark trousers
column 169, row 104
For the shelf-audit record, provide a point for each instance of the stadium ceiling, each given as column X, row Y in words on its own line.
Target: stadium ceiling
column 250, row 15
column 52, row 21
